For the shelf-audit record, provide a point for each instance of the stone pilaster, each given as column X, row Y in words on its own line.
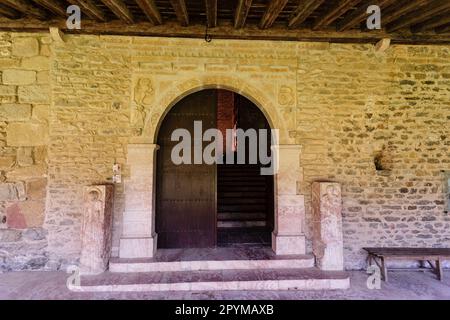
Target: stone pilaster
column 138, row 235
column 288, row 237
column 327, row 225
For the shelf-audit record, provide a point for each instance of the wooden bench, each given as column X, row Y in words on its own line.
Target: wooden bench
column 381, row 255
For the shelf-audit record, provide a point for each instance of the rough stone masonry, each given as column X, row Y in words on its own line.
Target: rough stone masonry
column 377, row 123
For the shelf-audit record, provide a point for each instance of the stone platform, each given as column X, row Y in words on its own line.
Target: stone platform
column 255, row 268
column 221, row 280
column 212, row 259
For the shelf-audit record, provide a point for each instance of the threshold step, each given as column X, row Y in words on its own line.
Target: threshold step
column 235, row 279
column 211, row 259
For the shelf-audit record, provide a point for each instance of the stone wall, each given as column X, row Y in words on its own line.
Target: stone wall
column 348, row 106
column 24, row 110
column 355, row 106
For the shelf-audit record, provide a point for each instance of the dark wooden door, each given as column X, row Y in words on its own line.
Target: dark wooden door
column 186, row 193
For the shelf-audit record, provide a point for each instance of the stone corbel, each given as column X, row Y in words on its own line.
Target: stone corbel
column 57, row 35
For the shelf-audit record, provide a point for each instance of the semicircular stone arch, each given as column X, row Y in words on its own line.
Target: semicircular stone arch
column 167, row 98
column 138, row 238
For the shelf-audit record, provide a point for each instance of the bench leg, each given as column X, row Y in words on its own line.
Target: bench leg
column 439, row 270
column 384, row 269
column 369, row 260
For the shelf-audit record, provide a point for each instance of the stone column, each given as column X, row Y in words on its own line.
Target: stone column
column 96, row 229
column 138, row 232
column 328, row 245
column 288, row 236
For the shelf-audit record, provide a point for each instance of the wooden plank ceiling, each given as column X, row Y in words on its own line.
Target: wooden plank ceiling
column 404, row 21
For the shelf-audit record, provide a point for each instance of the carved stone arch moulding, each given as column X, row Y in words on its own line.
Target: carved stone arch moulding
column 166, row 98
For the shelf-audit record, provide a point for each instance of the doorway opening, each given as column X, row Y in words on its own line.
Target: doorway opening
column 226, row 204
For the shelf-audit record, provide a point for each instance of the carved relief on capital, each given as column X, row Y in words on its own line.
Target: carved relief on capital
column 286, row 96
column 143, row 95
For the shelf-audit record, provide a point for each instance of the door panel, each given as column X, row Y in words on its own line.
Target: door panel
column 186, row 193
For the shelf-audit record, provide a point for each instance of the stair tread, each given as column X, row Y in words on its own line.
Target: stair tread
column 206, row 254
column 109, row 278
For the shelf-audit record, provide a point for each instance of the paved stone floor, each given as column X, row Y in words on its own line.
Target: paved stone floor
column 402, row 285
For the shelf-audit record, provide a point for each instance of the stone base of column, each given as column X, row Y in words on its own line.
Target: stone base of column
column 137, row 247
column 288, row 244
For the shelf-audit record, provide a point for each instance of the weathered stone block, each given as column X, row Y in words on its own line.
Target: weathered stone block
column 26, row 173
column 12, row 191
column 6, row 162
column 34, row 234
column 36, row 189
column 37, row 63
column 40, row 155
column 25, row 156
column 7, row 90
column 18, row 77
column 7, row 235
column 15, row 112
column 39, row 94
column 328, row 244
column 43, row 77
column 41, row 112
column 26, row 214
column 25, row 47
column 26, row 134
column 34, row 212
column 9, row 63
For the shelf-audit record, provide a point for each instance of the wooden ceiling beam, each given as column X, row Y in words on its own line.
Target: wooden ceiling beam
column 273, row 9
column 355, row 18
column 52, row 6
column 119, row 8
column 303, row 11
column 333, row 13
column 419, row 15
column 211, row 13
column 400, row 8
column 8, row 12
column 443, row 29
column 90, row 9
column 179, row 6
column 26, row 8
column 225, row 30
column 240, row 15
column 151, row 10
column 432, row 23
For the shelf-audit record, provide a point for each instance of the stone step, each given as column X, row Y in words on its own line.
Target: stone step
column 236, row 216
column 256, row 183
column 240, row 188
column 239, row 178
column 241, row 207
column 240, row 194
column 240, row 174
column 236, row 237
column 223, row 201
column 241, row 223
column 211, row 259
column 217, row 280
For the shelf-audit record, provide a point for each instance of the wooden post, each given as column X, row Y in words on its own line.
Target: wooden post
column 384, row 269
column 439, row 270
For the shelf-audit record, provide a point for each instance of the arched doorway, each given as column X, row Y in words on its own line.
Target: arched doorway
column 207, row 205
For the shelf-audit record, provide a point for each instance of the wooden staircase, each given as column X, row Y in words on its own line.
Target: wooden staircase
column 243, row 206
